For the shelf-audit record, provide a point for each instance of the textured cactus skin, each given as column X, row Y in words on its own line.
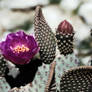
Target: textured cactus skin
column 41, row 78
column 26, row 88
column 77, row 80
column 3, row 65
column 47, row 44
column 65, row 42
column 45, row 37
column 39, row 82
column 52, row 87
column 65, row 37
column 4, row 86
column 51, row 79
column 64, row 63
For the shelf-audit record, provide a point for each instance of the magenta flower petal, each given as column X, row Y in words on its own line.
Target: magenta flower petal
column 19, row 47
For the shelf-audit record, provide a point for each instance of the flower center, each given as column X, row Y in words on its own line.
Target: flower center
column 22, row 48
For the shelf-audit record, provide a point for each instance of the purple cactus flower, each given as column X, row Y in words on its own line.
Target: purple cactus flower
column 19, row 47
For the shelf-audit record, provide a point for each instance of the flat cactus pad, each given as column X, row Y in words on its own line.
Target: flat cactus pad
column 77, row 80
column 45, row 37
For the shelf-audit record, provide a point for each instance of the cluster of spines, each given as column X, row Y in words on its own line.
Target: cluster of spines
column 65, row 43
column 45, row 37
column 77, row 80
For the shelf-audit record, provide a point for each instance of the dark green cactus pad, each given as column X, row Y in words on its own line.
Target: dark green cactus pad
column 45, row 37
column 77, row 80
column 2, row 65
column 65, row 43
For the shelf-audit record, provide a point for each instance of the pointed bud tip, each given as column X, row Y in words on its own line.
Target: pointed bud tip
column 65, row 27
column 38, row 10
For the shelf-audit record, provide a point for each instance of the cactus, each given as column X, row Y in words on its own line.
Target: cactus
column 39, row 83
column 47, row 43
column 64, row 35
column 3, row 66
column 66, row 59
column 51, row 79
column 45, row 37
column 64, row 63
column 57, row 58
column 4, row 86
column 77, row 80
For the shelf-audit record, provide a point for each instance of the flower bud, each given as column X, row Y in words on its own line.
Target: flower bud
column 65, row 27
column 64, row 35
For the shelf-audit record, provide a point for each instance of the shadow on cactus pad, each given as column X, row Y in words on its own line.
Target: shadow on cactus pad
column 26, row 75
